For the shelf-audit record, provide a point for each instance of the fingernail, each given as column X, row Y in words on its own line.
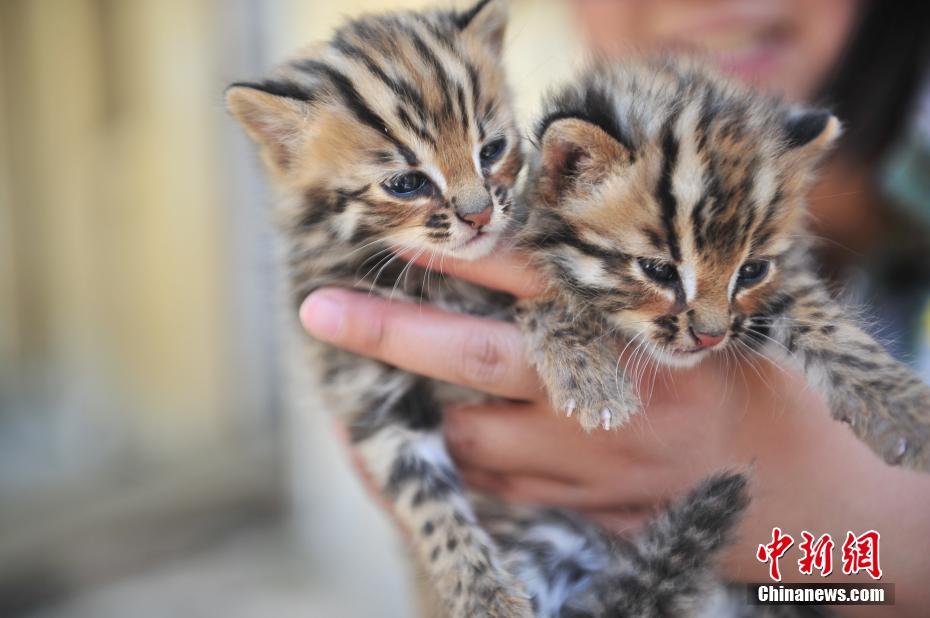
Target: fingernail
column 323, row 315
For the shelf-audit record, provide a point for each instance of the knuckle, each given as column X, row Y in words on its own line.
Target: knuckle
column 483, row 359
column 460, row 436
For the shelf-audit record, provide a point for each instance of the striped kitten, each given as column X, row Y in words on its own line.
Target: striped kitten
column 399, row 131
column 669, row 207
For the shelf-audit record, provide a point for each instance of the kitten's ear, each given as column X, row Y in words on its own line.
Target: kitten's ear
column 486, row 20
column 272, row 114
column 811, row 130
column 577, row 154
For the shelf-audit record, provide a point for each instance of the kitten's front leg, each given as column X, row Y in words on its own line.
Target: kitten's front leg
column 577, row 361
column 885, row 404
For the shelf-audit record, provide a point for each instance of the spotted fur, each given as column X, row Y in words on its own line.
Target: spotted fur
column 339, row 125
column 669, row 208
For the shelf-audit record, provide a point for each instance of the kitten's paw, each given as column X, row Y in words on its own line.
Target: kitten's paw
column 909, row 451
column 896, row 428
column 902, row 446
column 597, row 412
column 587, row 386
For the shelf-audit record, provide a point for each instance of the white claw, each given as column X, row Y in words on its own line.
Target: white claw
column 901, row 447
column 570, row 407
column 605, row 418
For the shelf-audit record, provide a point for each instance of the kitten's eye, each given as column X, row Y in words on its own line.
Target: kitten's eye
column 753, row 272
column 659, row 271
column 492, row 150
column 406, row 185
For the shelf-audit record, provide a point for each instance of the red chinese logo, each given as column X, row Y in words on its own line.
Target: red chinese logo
column 860, row 553
column 773, row 551
column 817, row 554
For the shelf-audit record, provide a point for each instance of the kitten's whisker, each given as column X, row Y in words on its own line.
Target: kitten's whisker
column 726, row 381
column 630, row 368
column 633, row 366
column 833, row 195
column 740, row 361
column 622, row 382
column 365, row 246
column 776, row 342
column 374, row 256
column 671, row 380
column 404, row 272
column 829, row 241
column 751, row 352
column 761, row 356
column 728, row 356
column 378, row 262
column 778, row 319
column 639, row 366
column 752, row 364
column 427, row 272
column 380, row 255
column 652, row 385
column 371, row 288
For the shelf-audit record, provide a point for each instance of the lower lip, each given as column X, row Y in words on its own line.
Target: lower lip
column 755, row 65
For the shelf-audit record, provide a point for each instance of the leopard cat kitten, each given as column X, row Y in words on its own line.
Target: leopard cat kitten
column 669, row 208
column 399, row 132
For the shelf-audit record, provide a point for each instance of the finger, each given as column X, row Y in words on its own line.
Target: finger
column 487, row 355
column 507, row 272
column 510, row 438
column 521, row 438
column 622, row 520
column 484, row 481
column 531, row 489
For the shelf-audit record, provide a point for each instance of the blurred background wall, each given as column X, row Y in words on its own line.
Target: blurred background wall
column 153, row 458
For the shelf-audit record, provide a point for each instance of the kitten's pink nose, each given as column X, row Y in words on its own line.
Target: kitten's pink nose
column 706, row 340
column 478, row 219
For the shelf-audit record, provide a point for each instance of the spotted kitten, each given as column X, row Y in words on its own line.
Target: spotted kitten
column 668, row 204
column 399, row 132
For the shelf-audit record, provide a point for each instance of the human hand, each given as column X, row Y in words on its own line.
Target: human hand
column 695, row 422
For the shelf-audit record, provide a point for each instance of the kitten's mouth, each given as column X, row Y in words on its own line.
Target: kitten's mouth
column 479, row 239
column 480, row 244
column 474, row 239
column 681, row 357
